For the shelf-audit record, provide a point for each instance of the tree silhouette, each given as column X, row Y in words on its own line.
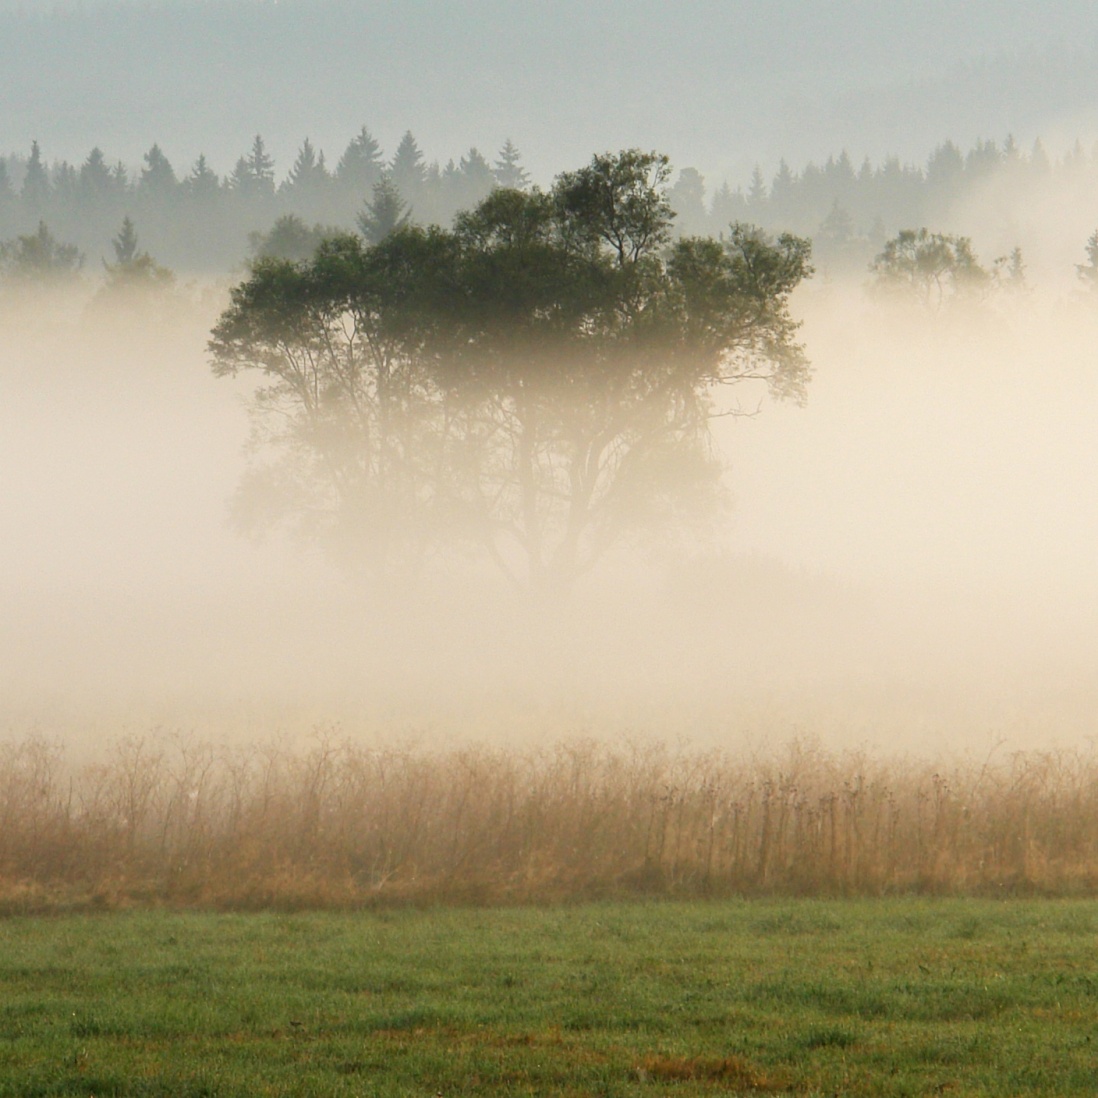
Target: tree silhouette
column 40, row 258
column 508, row 170
column 361, row 164
column 133, row 270
column 930, row 269
column 384, row 213
column 36, row 182
column 538, row 380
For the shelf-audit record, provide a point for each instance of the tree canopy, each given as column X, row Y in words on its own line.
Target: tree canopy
column 936, row 270
column 538, row 380
column 40, row 257
column 930, row 268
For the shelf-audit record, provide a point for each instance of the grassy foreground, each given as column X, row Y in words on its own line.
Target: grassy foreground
column 911, row 996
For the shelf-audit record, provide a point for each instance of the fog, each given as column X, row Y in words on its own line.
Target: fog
column 907, row 561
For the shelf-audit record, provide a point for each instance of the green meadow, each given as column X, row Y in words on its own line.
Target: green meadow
column 883, row 997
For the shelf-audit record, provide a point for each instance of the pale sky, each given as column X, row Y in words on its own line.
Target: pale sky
column 718, row 84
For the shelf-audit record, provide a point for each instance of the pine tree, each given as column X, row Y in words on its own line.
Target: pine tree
column 384, row 213
column 687, row 198
column 836, row 243
column 407, row 170
column 508, row 170
column 945, row 168
column 125, row 243
column 308, row 171
column 474, row 181
column 120, row 178
column 782, row 190
column 289, row 238
column 64, row 184
column 728, row 206
column 756, row 192
column 134, row 269
column 36, row 183
column 361, row 164
column 261, row 163
column 157, row 178
column 254, row 174
column 95, row 180
column 240, row 178
column 1038, row 159
column 202, row 185
column 983, row 159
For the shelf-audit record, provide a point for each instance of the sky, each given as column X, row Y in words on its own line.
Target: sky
column 717, row 84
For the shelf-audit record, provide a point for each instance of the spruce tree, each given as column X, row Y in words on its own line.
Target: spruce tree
column 361, row 164
column 508, row 170
column 384, row 213
column 407, row 170
column 36, row 182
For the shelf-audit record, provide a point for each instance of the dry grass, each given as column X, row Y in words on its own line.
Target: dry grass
column 172, row 820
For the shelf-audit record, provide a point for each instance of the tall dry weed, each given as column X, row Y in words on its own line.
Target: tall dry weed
column 172, row 820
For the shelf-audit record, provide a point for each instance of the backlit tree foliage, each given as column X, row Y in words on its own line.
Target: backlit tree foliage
column 538, row 380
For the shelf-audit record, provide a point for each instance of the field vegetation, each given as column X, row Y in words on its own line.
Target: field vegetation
column 171, row 820
column 910, row 996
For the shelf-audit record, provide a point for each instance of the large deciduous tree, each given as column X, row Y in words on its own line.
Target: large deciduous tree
column 540, row 379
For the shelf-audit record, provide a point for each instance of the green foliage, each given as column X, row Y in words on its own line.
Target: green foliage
column 853, row 998
column 134, row 271
column 618, row 200
column 930, row 269
column 200, row 221
column 538, row 379
column 384, row 213
column 288, row 238
column 125, row 243
column 40, row 258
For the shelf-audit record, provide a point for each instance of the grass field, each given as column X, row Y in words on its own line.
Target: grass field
column 899, row 996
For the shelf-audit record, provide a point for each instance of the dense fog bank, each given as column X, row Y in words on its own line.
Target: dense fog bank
column 905, row 562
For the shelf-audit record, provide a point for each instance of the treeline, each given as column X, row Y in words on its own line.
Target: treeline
column 849, row 212
column 181, row 822
column 198, row 220
column 195, row 219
